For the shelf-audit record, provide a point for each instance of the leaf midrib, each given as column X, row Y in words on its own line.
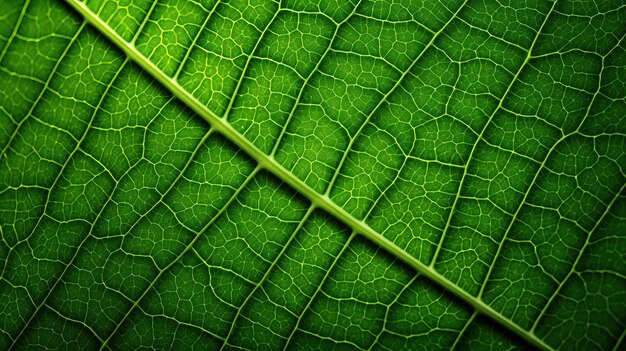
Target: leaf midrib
column 318, row 200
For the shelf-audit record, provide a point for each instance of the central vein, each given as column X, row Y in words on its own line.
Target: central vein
column 318, row 200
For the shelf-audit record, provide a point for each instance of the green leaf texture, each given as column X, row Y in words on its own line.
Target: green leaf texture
column 312, row 175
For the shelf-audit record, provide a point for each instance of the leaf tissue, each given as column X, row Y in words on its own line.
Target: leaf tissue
column 313, row 174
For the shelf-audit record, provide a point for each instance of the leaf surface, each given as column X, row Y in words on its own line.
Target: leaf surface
column 374, row 174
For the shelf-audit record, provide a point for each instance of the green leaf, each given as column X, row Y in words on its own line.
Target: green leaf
column 364, row 174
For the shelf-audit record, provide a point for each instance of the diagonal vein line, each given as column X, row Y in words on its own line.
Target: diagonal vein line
column 189, row 247
column 203, row 26
column 268, row 272
column 572, row 270
column 459, row 337
column 321, row 284
column 306, row 82
column 390, row 92
column 45, row 87
column 69, row 264
column 534, row 183
column 388, row 309
column 16, row 28
column 319, row 200
column 482, row 133
column 619, row 342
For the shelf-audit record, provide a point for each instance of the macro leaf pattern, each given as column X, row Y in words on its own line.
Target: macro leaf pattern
column 306, row 175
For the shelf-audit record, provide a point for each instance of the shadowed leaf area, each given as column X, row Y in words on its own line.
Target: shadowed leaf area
column 312, row 175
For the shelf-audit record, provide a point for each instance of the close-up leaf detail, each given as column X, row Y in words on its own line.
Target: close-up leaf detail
column 312, row 174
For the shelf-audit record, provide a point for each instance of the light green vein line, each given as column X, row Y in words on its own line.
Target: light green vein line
column 80, row 245
column 209, row 15
column 189, row 247
column 244, row 70
column 482, row 133
column 338, row 256
column 621, row 339
column 271, row 165
column 386, row 96
column 308, row 79
column 384, row 330
column 462, row 332
column 600, row 220
column 44, row 88
column 16, row 28
column 72, row 320
column 268, row 272
column 532, row 185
